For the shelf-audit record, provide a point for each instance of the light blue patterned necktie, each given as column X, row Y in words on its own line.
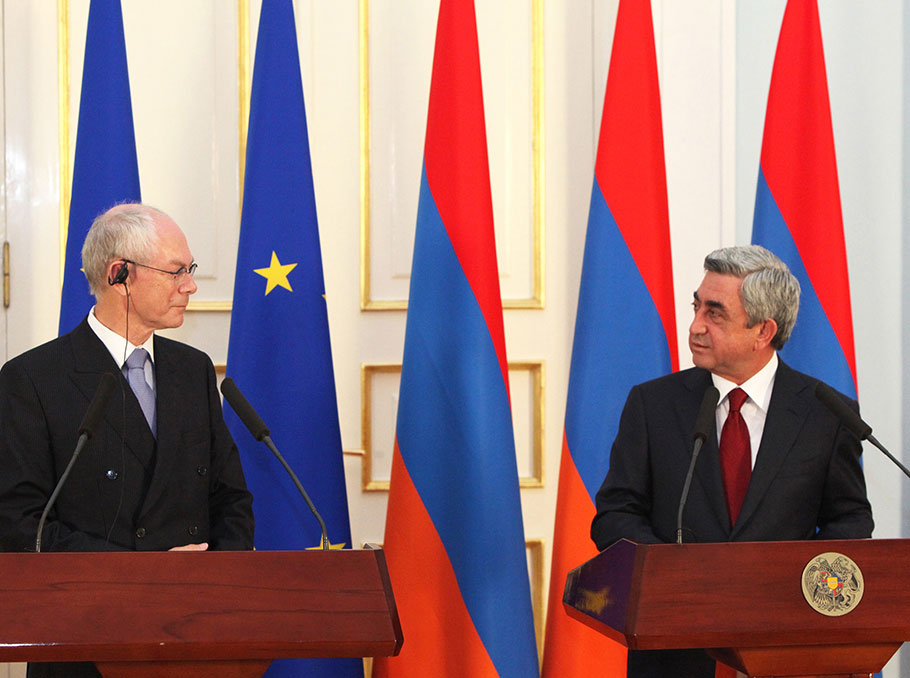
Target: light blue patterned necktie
column 135, row 374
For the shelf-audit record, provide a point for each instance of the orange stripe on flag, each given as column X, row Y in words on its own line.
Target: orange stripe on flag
column 573, row 649
column 439, row 636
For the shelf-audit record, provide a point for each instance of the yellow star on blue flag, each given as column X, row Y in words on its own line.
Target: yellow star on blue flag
column 333, row 547
column 276, row 274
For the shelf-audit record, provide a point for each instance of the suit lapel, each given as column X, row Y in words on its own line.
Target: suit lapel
column 707, row 468
column 167, row 393
column 786, row 413
column 91, row 358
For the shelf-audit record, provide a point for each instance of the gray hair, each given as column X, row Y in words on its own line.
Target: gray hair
column 769, row 289
column 125, row 231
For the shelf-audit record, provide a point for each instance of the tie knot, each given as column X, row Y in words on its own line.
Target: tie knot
column 137, row 359
column 736, row 399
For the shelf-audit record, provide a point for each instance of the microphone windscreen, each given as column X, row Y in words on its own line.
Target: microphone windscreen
column 98, row 405
column 705, row 418
column 243, row 409
column 835, row 402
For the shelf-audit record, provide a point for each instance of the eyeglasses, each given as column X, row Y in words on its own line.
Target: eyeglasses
column 179, row 275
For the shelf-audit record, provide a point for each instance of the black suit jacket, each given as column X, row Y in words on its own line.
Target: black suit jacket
column 807, row 482
column 127, row 491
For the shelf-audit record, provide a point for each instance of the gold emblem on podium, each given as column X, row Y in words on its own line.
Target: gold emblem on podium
column 594, row 602
column 832, row 584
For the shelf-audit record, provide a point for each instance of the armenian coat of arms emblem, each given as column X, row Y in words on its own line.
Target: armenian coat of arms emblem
column 832, row 584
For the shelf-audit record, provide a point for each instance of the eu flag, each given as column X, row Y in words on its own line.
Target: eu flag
column 105, row 170
column 279, row 352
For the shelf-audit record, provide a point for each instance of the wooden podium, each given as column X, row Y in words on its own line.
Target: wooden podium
column 225, row 614
column 744, row 603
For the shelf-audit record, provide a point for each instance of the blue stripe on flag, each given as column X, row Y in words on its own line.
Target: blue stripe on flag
column 813, row 347
column 455, row 437
column 619, row 342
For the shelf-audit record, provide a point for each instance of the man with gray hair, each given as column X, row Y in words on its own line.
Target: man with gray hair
column 161, row 471
column 779, row 467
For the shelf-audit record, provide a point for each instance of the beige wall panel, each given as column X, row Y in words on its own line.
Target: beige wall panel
column 398, row 40
column 183, row 63
column 31, row 188
column 380, row 388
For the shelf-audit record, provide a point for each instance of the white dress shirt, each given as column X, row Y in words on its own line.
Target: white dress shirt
column 755, row 409
column 120, row 349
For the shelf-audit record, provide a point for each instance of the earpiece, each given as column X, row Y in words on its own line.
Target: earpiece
column 121, row 275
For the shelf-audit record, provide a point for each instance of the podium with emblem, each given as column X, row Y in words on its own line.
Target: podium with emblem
column 768, row 609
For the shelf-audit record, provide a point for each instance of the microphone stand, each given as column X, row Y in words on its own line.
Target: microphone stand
column 325, row 536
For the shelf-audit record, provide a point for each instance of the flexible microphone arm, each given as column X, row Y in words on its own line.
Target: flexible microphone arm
column 260, row 432
column 325, row 536
column 86, row 430
column 702, row 429
column 851, row 419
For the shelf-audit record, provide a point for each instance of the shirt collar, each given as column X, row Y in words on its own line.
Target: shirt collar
column 758, row 387
column 115, row 343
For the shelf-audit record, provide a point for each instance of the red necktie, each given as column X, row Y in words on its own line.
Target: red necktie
column 735, row 454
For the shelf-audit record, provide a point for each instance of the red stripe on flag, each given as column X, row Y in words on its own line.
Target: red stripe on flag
column 573, row 649
column 455, row 157
column 630, row 158
column 439, row 636
column 800, row 166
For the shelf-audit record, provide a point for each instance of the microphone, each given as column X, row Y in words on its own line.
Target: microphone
column 851, row 419
column 260, row 432
column 703, row 425
column 244, row 410
column 86, row 430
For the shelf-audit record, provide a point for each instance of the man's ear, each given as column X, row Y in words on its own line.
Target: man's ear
column 766, row 334
column 117, row 274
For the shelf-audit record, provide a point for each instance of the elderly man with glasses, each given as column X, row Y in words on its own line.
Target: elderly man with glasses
column 161, row 471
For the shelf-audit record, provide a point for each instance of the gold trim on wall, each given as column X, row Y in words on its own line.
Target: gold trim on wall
column 537, row 300
column 538, row 155
column 538, row 417
column 364, row 53
column 535, row 549
column 63, row 124
column 367, row 484
column 243, row 87
column 210, row 306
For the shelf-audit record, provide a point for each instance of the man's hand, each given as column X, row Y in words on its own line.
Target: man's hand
column 192, row 547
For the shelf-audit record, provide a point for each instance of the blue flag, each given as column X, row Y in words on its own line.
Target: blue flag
column 279, row 353
column 105, row 171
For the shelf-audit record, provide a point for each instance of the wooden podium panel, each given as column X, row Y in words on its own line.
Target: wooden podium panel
column 743, row 601
column 217, row 613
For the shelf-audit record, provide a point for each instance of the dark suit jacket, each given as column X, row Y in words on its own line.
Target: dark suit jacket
column 807, row 473
column 127, row 491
